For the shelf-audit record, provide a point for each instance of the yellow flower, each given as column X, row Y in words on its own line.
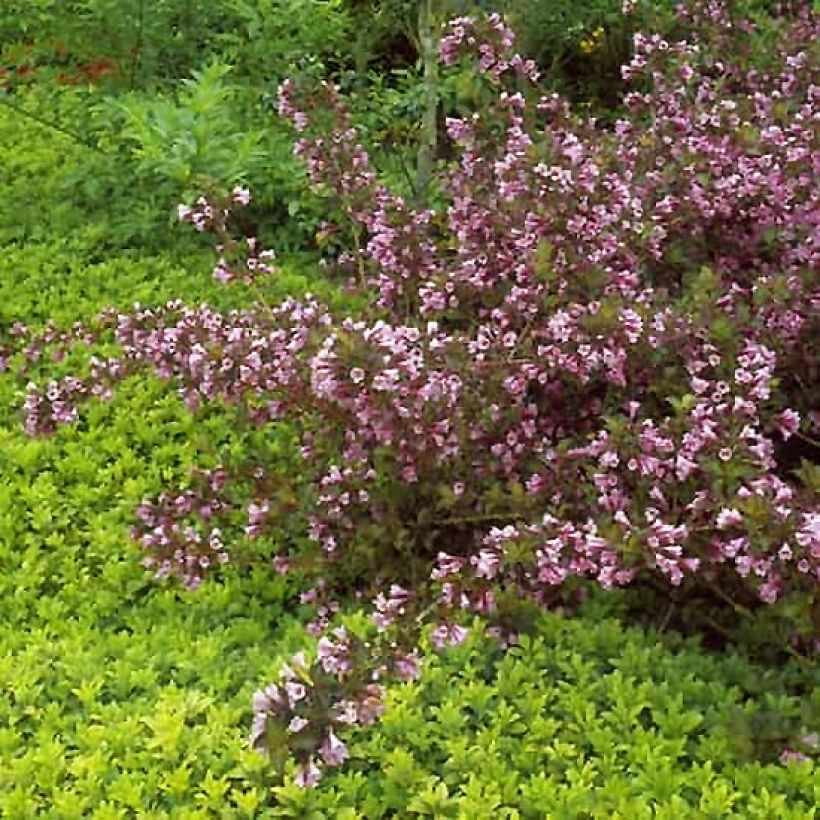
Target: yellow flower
column 592, row 42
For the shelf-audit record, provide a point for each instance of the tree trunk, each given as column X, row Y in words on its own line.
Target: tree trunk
column 428, row 138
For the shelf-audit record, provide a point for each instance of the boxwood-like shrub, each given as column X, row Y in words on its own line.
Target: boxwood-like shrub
column 585, row 719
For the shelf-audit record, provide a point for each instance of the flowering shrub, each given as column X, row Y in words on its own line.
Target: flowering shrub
column 586, row 366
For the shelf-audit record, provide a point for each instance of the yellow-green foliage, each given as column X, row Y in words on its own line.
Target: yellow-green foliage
column 117, row 695
column 584, row 720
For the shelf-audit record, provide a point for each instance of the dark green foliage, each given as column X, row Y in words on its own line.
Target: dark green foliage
column 214, row 123
column 580, row 46
column 145, row 41
column 61, row 190
column 212, row 135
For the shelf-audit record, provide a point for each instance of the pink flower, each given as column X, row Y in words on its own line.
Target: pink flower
column 446, row 565
column 728, row 518
column 788, row 423
column 486, row 564
column 333, row 751
column 308, row 775
column 407, row 667
column 448, row 635
column 295, row 691
column 609, row 459
column 265, row 700
column 769, row 591
column 789, row 756
column 242, row 196
column 335, row 655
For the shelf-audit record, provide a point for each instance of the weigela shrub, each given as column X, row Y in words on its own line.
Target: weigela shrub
column 587, row 365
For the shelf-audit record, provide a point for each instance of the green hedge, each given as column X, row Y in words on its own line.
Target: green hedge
column 119, row 694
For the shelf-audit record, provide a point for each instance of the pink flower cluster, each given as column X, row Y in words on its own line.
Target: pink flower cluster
column 166, row 530
column 243, row 260
column 312, row 701
column 492, row 41
column 33, row 346
column 289, row 704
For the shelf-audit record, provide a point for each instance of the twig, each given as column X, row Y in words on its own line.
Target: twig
column 469, row 519
column 813, row 441
column 136, row 53
column 666, row 617
column 738, row 608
